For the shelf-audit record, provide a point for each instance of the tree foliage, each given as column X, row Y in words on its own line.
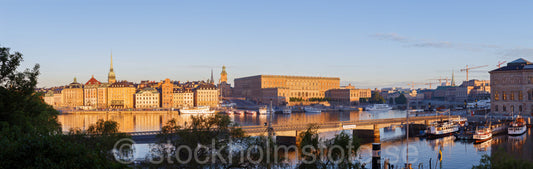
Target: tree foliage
column 376, row 98
column 30, row 135
column 401, row 99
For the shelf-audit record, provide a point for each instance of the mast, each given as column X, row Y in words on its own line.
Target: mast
column 407, row 137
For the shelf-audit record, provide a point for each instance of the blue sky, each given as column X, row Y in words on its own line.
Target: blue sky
column 369, row 44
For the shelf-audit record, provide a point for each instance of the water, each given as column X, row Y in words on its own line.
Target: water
column 456, row 154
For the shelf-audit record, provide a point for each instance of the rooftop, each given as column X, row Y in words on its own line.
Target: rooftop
column 518, row 64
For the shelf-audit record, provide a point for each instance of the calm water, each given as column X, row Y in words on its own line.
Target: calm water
column 456, row 154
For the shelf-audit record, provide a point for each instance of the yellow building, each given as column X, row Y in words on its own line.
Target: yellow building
column 49, row 98
column 120, row 95
column 206, row 95
column 347, row 95
column 72, row 95
column 257, row 88
column 147, row 98
column 183, row 98
column 223, row 85
column 58, row 98
column 102, row 96
column 90, row 93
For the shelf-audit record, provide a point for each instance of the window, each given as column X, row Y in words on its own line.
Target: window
column 520, row 108
column 520, row 96
column 504, row 109
column 512, row 96
column 512, row 108
column 496, row 96
column 504, row 96
column 496, row 108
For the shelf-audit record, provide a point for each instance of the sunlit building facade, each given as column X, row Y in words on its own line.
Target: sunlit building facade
column 72, row 95
column 512, row 88
column 90, row 92
column 183, row 98
column 167, row 93
column 120, row 95
column 147, row 98
column 206, row 95
column 262, row 88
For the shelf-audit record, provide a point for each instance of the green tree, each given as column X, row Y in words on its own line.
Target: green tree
column 30, row 135
column 502, row 160
column 401, row 99
column 377, row 98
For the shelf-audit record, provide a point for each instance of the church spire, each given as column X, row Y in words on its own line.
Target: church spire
column 453, row 79
column 111, row 76
column 212, row 80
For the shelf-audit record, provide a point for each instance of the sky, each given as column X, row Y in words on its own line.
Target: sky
column 368, row 44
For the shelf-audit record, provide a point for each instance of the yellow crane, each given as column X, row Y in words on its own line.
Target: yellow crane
column 441, row 79
column 412, row 84
column 466, row 69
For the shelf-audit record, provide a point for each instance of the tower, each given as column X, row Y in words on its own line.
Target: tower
column 212, row 80
column 453, row 79
column 111, row 76
column 223, row 75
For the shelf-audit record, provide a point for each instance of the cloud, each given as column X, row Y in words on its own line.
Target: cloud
column 514, row 53
column 424, row 43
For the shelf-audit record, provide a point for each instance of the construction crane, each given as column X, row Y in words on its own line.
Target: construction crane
column 441, row 79
column 466, row 69
column 500, row 63
column 430, row 83
column 412, row 84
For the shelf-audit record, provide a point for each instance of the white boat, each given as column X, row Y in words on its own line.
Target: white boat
column 312, row 110
column 287, row 110
column 442, row 128
column 517, row 127
column 482, row 135
column 197, row 110
column 263, row 110
column 377, row 107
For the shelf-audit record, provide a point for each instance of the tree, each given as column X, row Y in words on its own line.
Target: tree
column 30, row 135
column 401, row 99
column 377, row 98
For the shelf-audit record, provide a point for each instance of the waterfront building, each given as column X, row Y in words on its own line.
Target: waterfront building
column 512, row 88
column 167, row 94
column 206, row 94
column 147, row 98
column 183, row 98
column 120, row 95
column 72, row 95
column 49, row 98
column 58, row 98
column 347, row 95
column 90, row 92
column 223, row 85
column 263, row 88
column 102, row 96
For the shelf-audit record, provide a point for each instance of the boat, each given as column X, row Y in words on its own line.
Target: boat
column 442, row 128
column 197, row 110
column 287, row 110
column 517, row 127
column 238, row 112
column 482, row 135
column 312, row 110
column 378, row 107
column 263, row 110
column 250, row 112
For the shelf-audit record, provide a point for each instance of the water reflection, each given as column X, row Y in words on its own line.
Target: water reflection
column 152, row 121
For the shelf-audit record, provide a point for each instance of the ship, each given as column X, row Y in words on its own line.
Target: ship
column 378, row 107
column 197, row 110
column 441, row 129
column 287, row 110
column 517, row 127
column 312, row 110
column 482, row 135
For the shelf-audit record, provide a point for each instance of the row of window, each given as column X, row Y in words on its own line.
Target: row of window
column 511, row 109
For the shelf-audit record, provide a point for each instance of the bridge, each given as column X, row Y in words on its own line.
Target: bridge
column 361, row 128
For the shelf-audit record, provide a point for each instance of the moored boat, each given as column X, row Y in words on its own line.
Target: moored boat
column 441, row 129
column 312, row 110
column 378, row 107
column 287, row 110
column 482, row 134
column 197, row 110
column 517, row 127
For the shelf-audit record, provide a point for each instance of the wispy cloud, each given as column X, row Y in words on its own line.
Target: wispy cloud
column 516, row 52
column 424, row 43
